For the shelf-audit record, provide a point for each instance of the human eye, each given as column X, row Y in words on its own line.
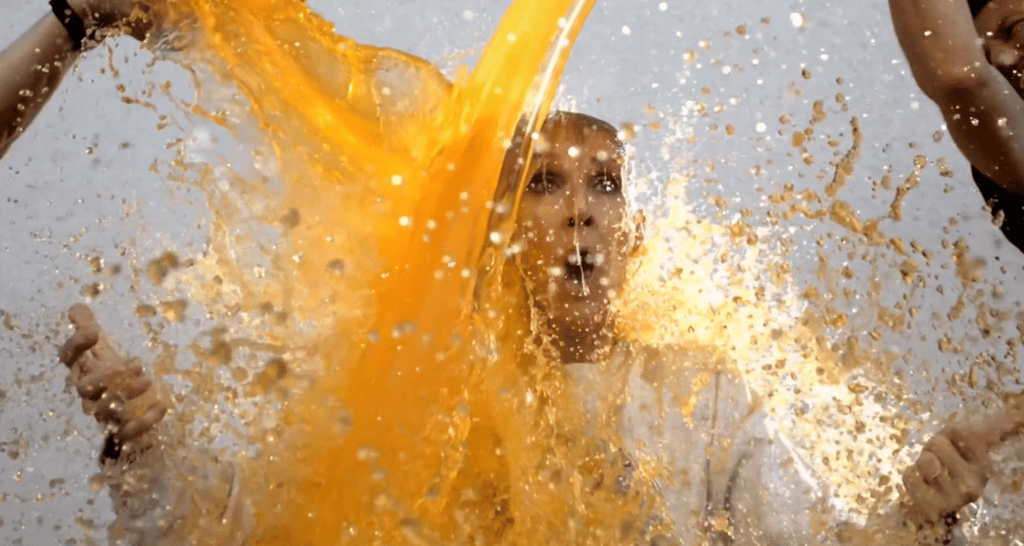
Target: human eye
column 543, row 182
column 1013, row 28
column 608, row 183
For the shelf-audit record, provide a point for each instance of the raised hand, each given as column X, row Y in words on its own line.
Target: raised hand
column 954, row 467
column 113, row 388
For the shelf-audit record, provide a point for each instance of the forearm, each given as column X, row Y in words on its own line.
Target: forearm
column 983, row 111
column 895, row 527
column 32, row 67
column 941, row 44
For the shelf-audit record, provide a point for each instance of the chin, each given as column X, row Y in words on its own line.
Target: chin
column 584, row 313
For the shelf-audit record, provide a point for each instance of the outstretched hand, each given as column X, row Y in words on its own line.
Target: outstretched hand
column 954, row 467
column 113, row 388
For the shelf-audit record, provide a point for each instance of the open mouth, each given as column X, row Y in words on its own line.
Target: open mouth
column 579, row 266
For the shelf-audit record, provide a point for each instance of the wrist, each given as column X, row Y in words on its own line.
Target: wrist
column 930, row 531
column 933, row 533
column 115, row 451
column 74, row 25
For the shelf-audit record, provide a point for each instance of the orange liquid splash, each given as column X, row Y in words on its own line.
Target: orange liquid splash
column 381, row 143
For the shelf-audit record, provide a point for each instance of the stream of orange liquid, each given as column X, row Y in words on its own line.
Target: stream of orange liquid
column 381, row 143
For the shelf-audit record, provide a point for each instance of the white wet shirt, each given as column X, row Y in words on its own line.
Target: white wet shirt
column 690, row 424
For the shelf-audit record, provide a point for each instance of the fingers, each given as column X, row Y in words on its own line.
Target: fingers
column 950, row 473
column 110, row 388
column 928, row 466
column 962, row 481
column 93, row 385
column 87, row 334
column 107, row 382
column 137, row 427
column 927, row 502
column 136, row 387
column 109, row 408
column 120, row 377
column 81, row 315
column 1001, row 426
column 971, row 442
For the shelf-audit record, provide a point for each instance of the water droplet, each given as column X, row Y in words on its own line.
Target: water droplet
column 365, row 454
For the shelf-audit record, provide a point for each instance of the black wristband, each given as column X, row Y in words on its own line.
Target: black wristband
column 73, row 23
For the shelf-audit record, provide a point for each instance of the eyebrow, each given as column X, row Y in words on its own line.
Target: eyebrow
column 613, row 157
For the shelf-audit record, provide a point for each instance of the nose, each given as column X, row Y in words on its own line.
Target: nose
column 584, row 220
column 578, row 208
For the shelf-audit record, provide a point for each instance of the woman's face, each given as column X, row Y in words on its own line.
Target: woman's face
column 572, row 222
column 1000, row 24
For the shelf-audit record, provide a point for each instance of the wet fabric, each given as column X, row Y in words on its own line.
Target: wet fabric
column 169, row 496
column 1007, row 207
column 724, row 475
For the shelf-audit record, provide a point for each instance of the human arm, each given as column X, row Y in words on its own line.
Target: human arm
column 983, row 111
column 34, row 65
column 950, row 473
column 165, row 491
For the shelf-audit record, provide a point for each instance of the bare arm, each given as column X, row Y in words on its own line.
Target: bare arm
column 983, row 111
column 165, row 490
column 32, row 66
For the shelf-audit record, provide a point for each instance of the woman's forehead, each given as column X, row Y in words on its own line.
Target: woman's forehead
column 579, row 127
column 578, row 139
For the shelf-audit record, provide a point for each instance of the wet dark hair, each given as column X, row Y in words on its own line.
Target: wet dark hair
column 583, row 120
column 977, row 5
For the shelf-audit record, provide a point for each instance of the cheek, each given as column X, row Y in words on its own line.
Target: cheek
column 616, row 254
column 535, row 251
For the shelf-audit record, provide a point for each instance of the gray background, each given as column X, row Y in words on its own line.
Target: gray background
column 78, row 186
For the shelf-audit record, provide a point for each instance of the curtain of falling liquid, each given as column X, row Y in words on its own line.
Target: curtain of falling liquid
column 379, row 146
